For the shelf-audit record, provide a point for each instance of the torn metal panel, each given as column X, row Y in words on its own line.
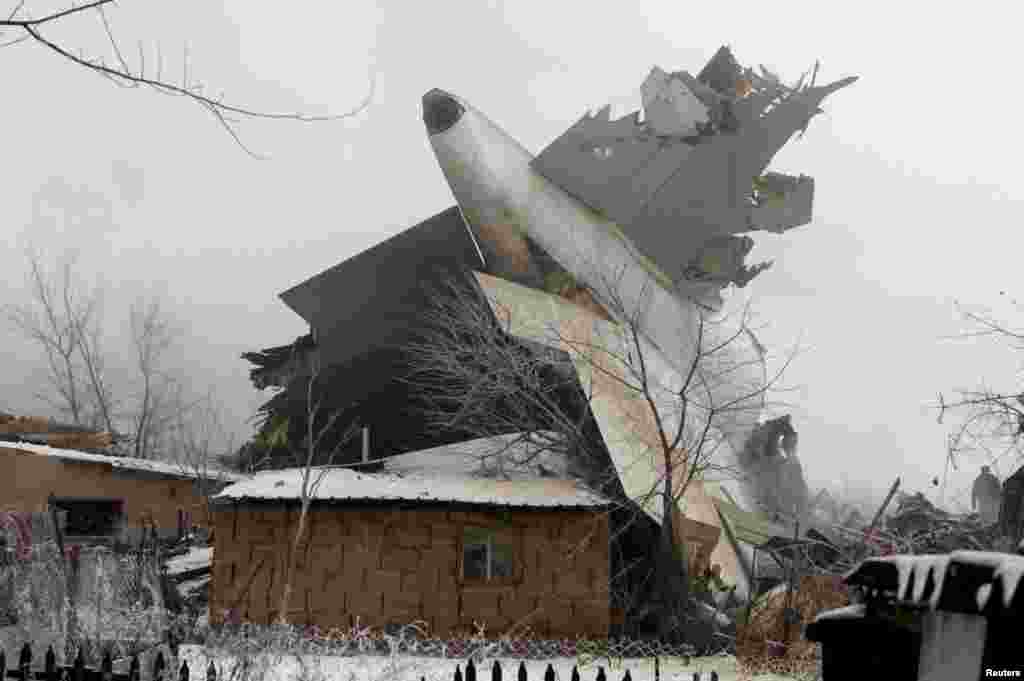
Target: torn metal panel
column 722, row 73
column 781, row 202
column 277, row 366
column 371, row 298
column 671, row 108
column 792, row 114
column 625, row 149
column 690, row 171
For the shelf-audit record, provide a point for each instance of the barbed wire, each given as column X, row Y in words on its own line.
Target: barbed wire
column 476, row 648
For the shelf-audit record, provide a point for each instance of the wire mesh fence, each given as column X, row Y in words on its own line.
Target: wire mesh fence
column 80, row 597
column 407, row 641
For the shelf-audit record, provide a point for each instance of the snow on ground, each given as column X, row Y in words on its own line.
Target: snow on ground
column 192, row 585
column 194, row 559
column 408, row 667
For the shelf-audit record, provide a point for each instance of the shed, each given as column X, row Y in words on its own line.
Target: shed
column 389, row 548
column 106, row 497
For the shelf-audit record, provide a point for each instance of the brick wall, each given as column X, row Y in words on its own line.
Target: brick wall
column 26, row 480
column 387, row 566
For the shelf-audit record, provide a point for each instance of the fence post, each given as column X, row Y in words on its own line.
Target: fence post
column 211, row 672
column 50, row 665
column 133, row 668
column 600, row 674
column 657, row 669
column 575, row 676
column 521, row 676
column 158, row 667
column 107, row 667
column 549, row 673
column 24, row 662
column 78, row 671
column 183, row 672
column 627, row 677
column 496, row 671
column 458, row 673
column 470, row 670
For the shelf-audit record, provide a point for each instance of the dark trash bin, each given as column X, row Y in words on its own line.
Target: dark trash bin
column 954, row 616
column 856, row 645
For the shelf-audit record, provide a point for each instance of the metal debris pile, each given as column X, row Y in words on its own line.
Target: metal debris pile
column 924, row 528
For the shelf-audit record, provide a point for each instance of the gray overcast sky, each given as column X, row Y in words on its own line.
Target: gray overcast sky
column 914, row 204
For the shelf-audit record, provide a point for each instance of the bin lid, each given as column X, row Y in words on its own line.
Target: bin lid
column 969, row 582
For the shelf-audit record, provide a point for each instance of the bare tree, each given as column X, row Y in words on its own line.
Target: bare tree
column 63, row 318
column 33, row 29
column 199, row 439
column 992, row 420
column 320, row 423
column 152, row 336
column 51, row 320
column 479, row 378
column 90, row 339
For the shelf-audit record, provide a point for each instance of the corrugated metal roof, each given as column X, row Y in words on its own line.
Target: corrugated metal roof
column 344, row 484
column 125, row 463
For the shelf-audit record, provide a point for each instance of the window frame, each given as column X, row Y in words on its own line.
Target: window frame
column 499, row 536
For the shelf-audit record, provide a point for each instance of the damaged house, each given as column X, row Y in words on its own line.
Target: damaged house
column 438, row 536
column 651, row 213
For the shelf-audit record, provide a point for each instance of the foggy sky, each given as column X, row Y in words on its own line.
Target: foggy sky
column 913, row 165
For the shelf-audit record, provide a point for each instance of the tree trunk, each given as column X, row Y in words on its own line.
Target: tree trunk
column 289, row 573
column 672, row 573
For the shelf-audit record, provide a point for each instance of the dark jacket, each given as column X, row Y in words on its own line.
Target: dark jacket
column 986, row 486
column 1011, row 511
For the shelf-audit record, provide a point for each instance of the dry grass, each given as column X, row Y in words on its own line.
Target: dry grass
column 756, row 639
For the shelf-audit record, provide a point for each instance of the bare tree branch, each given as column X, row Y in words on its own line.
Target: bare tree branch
column 479, row 381
column 123, row 75
column 988, row 416
column 312, row 476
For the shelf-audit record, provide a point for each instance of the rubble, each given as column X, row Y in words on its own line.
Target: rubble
column 924, row 528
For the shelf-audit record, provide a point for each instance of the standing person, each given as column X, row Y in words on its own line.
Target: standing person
column 1010, row 520
column 986, row 495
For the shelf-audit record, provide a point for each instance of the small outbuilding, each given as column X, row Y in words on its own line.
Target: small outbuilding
column 106, row 498
column 408, row 543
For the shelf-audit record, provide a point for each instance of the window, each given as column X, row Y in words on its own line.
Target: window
column 484, row 558
column 91, row 517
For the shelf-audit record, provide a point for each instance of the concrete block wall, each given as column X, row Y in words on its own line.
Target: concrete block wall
column 398, row 566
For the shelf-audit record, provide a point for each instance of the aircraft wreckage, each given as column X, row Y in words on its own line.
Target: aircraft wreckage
column 645, row 218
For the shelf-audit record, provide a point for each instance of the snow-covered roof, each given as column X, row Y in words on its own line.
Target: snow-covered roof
column 123, row 463
column 505, row 455
column 193, row 559
column 345, row 484
column 855, row 611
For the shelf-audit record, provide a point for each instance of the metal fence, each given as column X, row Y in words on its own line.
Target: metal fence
column 161, row 671
column 78, row 671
